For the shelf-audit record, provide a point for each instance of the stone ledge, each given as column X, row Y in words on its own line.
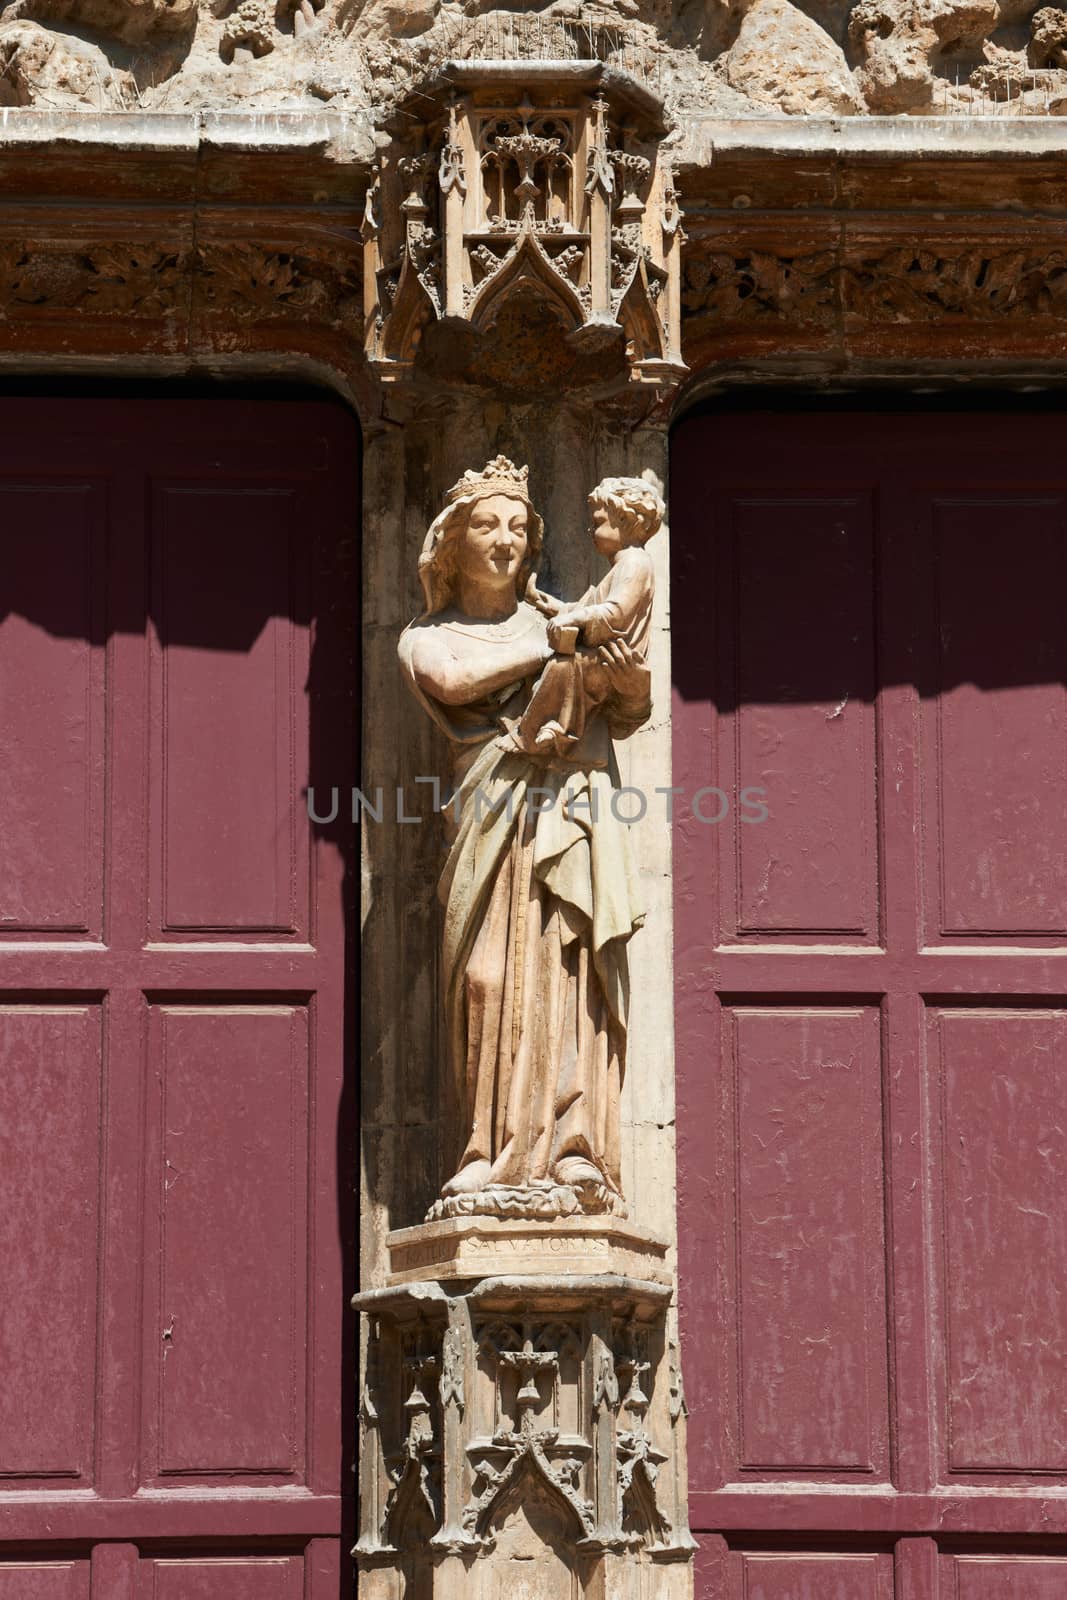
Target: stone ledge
column 704, row 138
column 346, row 133
column 563, row 1293
column 465, row 1248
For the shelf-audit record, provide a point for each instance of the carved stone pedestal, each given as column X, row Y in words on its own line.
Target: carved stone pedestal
column 522, row 1438
column 476, row 1247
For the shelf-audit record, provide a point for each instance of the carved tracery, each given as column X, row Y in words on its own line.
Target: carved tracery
column 569, row 1409
column 554, row 187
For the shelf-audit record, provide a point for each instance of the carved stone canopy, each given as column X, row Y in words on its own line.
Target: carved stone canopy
column 526, row 233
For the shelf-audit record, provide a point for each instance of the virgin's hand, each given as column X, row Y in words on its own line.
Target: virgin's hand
column 627, row 673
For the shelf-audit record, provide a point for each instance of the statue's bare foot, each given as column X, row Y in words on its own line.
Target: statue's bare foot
column 584, row 1178
column 469, row 1179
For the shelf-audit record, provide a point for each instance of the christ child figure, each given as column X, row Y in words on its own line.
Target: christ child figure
column 625, row 513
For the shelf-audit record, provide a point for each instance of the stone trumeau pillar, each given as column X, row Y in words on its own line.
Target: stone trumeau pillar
column 522, row 1417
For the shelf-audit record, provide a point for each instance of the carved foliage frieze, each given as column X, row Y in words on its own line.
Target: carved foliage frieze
column 902, row 284
column 250, row 283
column 96, row 278
column 750, row 284
column 149, row 292
column 922, row 284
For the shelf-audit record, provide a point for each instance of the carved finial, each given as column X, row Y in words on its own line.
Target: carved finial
column 450, row 1386
column 451, row 174
column 499, row 476
column 601, row 174
column 676, row 1404
column 606, row 1388
column 372, row 223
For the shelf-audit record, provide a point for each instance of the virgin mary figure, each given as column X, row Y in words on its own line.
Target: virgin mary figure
column 539, row 889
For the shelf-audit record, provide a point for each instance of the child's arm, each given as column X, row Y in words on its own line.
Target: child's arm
column 629, row 590
column 566, row 615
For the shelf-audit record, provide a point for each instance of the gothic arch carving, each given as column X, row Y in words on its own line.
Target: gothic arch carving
column 552, row 186
column 527, row 264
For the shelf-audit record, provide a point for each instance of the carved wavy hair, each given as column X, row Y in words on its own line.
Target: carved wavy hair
column 438, row 565
column 634, row 506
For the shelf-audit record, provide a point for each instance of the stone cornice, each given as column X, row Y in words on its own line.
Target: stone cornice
column 346, row 134
column 705, row 138
column 873, row 245
column 164, row 241
column 885, row 165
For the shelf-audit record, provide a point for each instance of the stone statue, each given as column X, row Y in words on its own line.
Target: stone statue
column 626, row 512
column 539, row 888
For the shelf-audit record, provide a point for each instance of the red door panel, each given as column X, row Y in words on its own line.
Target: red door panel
column 228, row 1180
column 800, row 620
column 44, row 1580
column 51, row 1060
column 52, row 709
column 999, row 1160
column 808, row 1279
column 872, row 1001
column 760, row 1576
column 1006, row 1578
column 240, row 1578
column 177, row 663
column 228, row 841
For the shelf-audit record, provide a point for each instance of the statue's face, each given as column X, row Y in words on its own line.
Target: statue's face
column 607, row 536
column 494, row 546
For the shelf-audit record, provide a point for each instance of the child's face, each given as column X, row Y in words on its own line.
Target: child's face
column 607, row 536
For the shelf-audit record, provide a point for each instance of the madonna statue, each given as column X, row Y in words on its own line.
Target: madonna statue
column 539, row 888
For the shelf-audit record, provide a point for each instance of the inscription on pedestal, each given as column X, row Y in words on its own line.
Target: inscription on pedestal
column 473, row 1247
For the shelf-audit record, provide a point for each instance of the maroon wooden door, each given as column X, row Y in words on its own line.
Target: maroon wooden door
column 177, row 656
column 869, row 626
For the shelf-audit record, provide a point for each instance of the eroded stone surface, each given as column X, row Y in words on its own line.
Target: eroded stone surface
column 784, row 60
column 45, row 64
column 813, row 58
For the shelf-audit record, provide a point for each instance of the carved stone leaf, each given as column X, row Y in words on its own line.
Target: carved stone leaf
column 451, row 1387
column 248, row 278
column 251, row 283
column 760, row 284
column 145, row 281
column 1045, row 284
column 925, row 286
column 20, row 278
column 104, row 279
column 1000, row 278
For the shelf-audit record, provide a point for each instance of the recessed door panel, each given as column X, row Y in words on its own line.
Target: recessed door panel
column 176, row 968
column 867, row 623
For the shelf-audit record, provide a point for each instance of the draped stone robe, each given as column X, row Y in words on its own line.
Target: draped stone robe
column 541, row 897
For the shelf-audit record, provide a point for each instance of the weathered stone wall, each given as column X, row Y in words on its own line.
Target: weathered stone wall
column 821, row 58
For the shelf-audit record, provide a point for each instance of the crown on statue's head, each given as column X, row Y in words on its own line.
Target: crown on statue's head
column 499, row 476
